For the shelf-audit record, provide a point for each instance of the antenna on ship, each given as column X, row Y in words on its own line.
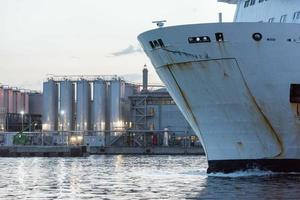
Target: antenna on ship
column 220, row 17
column 160, row 23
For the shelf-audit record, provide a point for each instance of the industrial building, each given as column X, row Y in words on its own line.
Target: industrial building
column 156, row 118
column 105, row 113
column 89, row 105
column 86, row 103
column 19, row 109
column 108, row 111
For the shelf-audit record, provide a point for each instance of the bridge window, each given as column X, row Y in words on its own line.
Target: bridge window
column 246, row 3
column 252, row 2
column 161, row 43
column 199, row 39
column 296, row 15
column 283, row 18
column 271, row 20
column 156, row 43
column 151, row 44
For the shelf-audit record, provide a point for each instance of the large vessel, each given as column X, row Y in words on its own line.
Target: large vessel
column 238, row 84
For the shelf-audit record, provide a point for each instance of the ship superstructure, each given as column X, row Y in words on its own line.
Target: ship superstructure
column 281, row 11
column 237, row 84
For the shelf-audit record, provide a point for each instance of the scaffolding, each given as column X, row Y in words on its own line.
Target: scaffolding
column 141, row 111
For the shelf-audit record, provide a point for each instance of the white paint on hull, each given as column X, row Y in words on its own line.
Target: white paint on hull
column 235, row 93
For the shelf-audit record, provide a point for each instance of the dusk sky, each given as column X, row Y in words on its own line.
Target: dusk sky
column 40, row 37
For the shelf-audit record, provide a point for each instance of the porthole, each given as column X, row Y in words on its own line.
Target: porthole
column 257, row 36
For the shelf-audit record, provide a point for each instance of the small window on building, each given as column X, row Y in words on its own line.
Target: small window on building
column 260, row 1
column 283, row 18
column 246, row 3
column 271, row 20
column 296, row 15
column 252, row 2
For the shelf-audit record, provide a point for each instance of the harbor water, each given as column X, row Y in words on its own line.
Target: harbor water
column 136, row 177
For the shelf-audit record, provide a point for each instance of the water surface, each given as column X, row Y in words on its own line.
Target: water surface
column 136, row 177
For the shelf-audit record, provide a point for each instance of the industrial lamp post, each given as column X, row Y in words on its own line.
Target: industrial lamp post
column 22, row 115
column 62, row 112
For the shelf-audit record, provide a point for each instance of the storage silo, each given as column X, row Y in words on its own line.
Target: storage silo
column 14, row 101
column 2, row 109
column 8, row 99
column 35, row 103
column 117, row 91
column 130, row 89
column 83, row 94
column 20, row 102
column 2, row 105
column 50, row 105
column 66, row 105
column 26, row 102
column 99, row 105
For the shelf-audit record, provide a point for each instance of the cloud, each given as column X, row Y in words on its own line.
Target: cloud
column 129, row 50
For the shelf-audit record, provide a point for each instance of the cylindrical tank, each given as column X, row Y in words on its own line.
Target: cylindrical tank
column 26, row 102
column 5, row 98
column 2, row 105
column 2, row 109
column 50, row 105
column 83, row 105
column 99, row 105
column 130, row 89
column 8, row 99
column 35, row 103
column 117, row 90
column 20, row 102
column 66, row 105
column 14, row 101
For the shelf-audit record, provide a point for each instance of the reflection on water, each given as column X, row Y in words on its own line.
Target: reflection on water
column 136, row 177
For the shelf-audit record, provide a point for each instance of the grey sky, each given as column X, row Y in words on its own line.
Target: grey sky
column 39, row 37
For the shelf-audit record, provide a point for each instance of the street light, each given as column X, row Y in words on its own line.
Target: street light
column 34, row 125
column 62, row 112
column 22, row 114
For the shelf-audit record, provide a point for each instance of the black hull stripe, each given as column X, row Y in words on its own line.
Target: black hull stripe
column 274, row 165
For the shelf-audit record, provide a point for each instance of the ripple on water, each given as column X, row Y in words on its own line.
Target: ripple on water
column 136, row 177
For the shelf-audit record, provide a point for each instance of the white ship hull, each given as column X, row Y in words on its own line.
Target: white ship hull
column 235, row 93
